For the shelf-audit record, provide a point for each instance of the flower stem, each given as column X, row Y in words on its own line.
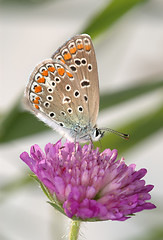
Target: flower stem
column 74, row 230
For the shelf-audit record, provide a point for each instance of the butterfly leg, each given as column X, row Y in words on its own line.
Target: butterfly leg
column 92, row 145
column 75, row 143
column 100, row 145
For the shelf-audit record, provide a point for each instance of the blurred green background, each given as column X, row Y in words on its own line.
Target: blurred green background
column 127, row 36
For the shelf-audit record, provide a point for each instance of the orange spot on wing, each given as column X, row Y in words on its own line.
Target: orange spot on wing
column 61, row 71
column 36, row 106
column 67, row 56
column 41, row 80
column 80, row 46
column 69, row 74
column 38, row 89
column 45, row 73
column 73, row 50
column 51, row 69
column 62, row 60
column 36, row 100
column 87, row 47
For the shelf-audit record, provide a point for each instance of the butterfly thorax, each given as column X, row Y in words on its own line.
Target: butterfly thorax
column 86, row 133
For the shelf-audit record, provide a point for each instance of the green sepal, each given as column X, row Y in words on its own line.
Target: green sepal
column 131, row 215
column 57, row 207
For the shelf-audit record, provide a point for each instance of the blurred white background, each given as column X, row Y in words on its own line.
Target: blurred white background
column 130, row 51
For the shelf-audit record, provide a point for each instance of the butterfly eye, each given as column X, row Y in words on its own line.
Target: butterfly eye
column 96, row 133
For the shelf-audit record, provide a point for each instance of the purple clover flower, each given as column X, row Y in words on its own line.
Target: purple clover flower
column 87, row 184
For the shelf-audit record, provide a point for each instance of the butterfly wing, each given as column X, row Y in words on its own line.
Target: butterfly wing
column 54, row 96
column 79, row 55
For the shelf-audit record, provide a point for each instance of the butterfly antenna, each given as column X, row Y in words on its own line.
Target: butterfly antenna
column 122, row 135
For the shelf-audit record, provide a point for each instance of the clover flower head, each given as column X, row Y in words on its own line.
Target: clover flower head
column 89, row 185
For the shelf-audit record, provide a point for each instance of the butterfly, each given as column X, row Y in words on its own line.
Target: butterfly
column 63, row 91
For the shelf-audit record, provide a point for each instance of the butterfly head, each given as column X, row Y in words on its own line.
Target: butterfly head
column 97, row 134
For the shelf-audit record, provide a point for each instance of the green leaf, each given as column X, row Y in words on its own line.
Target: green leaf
column 109, row 15
column 18, row 123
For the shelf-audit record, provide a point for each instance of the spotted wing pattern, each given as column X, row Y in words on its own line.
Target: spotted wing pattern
column 55, row 97
column 79, row 55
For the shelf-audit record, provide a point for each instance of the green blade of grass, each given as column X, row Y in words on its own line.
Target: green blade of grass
column 139, row 129
column 156, row 233
column 110, row 99
column 13, row 186
column 109, row 15
column 19, row 123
